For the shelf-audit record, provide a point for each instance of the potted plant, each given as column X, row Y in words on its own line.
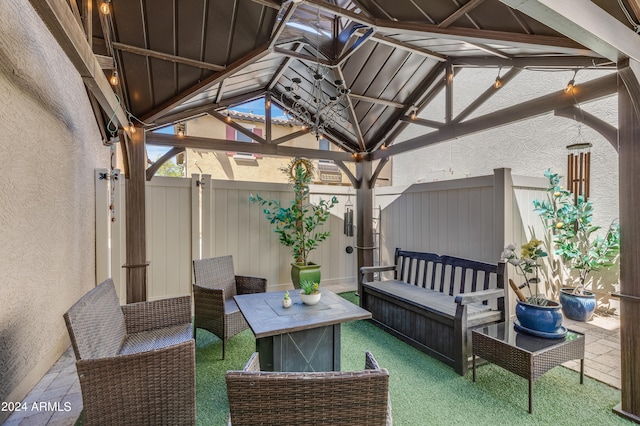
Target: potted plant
column 297, row 225
column 577, row 243
column 310, row 292
column 286, row 301
column 536, row 314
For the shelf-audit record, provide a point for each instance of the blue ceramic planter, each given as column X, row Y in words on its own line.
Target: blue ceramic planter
column 577, row 307
column 547, row 319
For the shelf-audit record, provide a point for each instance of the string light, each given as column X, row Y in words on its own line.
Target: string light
column 498, row 83
column 180, row 129
column 105, row 9
column 414, row 113
column 114, row 80
column 571, row 85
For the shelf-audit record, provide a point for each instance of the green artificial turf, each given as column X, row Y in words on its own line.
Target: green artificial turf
column 423, row 390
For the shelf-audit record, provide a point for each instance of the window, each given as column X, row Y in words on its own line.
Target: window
column 236, row 135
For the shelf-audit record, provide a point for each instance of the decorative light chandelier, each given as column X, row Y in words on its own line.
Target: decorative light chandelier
column 319, row 110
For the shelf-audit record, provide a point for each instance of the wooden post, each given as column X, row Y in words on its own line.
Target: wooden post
column 503, row 222
column 629, row 164
column 364, row 201
column 136, row 265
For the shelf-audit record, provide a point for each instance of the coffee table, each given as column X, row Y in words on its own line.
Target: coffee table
column 527, row 356
column 301, row 337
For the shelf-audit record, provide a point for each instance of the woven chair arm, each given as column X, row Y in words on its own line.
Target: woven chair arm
column 204, row 295
column 154, row 387
column 479, row 296
column 162, row 313
column 249, row 285
column 253, row 364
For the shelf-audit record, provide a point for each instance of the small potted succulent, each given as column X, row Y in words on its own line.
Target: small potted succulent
column 310, row 292
column 286, row 302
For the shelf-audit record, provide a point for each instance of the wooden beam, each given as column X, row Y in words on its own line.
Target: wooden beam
column 352, row 115
column 253, row 148
column 268, row 3
column 586, row 23
column 592, row 90
column 62, row 24
column 488, row 94
column 165, row 56
column 376, row 173
column 635, row 6
column 354, row 48
column 151, row 170
column 136, row 258
column 229, row 122
column 282, row 25
column 568, row 62
column 302, row 56
column 472, row 35
column 376, row 101
column 267, row 117
column 422, row 122
column 609, row 132
column 629, row 182
column 205, row 84
column 408, row 47
column 490, row 50
column 283, row 67
column 629, row 77
column 290, row 136
column 468, row 7
column 448, row 94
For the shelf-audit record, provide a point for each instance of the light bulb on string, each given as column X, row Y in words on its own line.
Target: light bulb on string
column 114, row 80
column 105, row 9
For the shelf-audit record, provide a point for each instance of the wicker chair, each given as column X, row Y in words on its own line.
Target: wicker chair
column 215, row 309
column 136, row 363
column 334, row 398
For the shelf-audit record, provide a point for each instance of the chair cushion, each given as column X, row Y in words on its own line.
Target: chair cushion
column 96, row 323
column 156, row 339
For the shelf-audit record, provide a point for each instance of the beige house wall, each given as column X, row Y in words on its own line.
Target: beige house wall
column 49, row 145
column 223, row 165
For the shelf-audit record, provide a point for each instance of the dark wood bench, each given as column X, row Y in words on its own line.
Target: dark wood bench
column 434, row 301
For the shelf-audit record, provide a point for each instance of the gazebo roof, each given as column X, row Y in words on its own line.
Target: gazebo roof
column 177, row 60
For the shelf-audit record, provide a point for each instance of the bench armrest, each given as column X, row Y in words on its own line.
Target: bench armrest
column 371, row 269
column 143, row 316
column 479, row 296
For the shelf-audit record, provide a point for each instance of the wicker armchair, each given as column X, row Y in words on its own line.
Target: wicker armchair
column 136, row 363
column 333, row 398
column 215, row 309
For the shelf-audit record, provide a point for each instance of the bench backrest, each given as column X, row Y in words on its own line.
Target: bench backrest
column 447, row 274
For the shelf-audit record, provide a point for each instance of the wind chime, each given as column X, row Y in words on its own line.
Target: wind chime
column 578, row 170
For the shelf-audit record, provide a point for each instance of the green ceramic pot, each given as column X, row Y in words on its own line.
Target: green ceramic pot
column 299, row 272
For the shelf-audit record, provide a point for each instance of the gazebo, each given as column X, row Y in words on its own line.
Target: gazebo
column 178, row 60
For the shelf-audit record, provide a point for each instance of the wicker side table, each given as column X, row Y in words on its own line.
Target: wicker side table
column 527, row 356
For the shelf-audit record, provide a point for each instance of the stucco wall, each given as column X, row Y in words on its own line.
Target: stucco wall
column 49, row 147
column 528, row 147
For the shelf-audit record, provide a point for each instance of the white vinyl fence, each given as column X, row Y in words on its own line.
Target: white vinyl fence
column 196, row 218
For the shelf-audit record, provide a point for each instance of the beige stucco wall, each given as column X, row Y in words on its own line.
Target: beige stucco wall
column 49, row 146
column 221, row 165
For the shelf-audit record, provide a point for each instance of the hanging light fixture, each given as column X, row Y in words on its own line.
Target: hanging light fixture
column 318, row 111
column 180, row 129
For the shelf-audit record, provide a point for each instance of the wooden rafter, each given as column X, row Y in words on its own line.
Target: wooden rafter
column 408, row 47
column 277, row 31
column 302, row 56
column 609, row 132
column 229, row 122
column 484, row 97
column 290, row 136
column 165, row 56
column 352, row 115
column 194, row 90
column 57, row 15
column 468, row 7
column 422, row 122
column 376, row 101
column 151, row 170
column 591, row 90
column 592, row 26
column 254, row 148
column 569, row 62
